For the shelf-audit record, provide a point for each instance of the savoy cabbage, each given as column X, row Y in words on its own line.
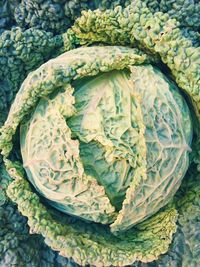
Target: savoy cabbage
column 107, row 134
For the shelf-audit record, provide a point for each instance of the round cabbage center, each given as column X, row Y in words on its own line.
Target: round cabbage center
column 101, row 128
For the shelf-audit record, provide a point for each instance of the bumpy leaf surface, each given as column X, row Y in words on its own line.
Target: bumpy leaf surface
column 183, row 60
column 121, row 250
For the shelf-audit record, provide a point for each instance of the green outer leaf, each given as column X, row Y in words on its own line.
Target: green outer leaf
column 188, row 204
column 184, row 250
column 158, row 34
column 61, row 71
column 90, row 243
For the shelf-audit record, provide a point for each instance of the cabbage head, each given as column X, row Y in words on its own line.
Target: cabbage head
column 105, row 138
column 111, row 149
